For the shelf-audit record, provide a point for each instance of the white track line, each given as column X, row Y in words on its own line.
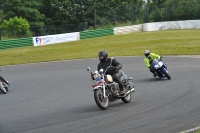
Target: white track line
column 191, row 130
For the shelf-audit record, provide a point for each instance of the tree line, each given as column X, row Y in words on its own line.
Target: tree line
column 57, row 12
column 49, row 16
column 173, row 10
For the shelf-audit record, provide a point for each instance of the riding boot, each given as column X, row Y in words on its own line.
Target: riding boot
column 154, row 74
column 122, row 91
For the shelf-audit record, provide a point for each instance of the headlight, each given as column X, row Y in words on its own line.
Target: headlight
column 156, row 66
column 160, row 64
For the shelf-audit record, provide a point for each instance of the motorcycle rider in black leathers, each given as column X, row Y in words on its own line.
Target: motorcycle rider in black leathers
column 105, row 62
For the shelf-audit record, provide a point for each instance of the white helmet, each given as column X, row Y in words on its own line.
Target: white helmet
column 146, row 53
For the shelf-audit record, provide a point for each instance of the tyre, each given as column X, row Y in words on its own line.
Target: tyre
column 127, row 99
column 101, row 102
column 2, row 88
column 166, row 74
column 6, row 88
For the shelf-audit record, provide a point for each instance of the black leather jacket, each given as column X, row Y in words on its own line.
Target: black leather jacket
column 110, row 62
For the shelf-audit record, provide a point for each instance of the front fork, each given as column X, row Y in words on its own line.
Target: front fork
column 99, row 88
column 164, row 69
column 104, row 91
column 159, row 71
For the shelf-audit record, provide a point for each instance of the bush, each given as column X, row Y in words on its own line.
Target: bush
column 16, row 27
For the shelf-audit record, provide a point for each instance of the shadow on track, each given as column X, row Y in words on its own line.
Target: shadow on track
column 114, row 106
column 150, row 80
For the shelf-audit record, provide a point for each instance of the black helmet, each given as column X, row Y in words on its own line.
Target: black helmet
column 104, row 54
column 146, row 53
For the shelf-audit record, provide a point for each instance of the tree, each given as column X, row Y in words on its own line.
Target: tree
column 183, row 10
column 16, row 26
column 61, row 16
column 157, row 2
column 155, row 15
column 173, row 10
column 55, row 11
column 25, row 9
column 105, row 10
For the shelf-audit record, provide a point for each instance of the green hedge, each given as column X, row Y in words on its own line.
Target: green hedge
column 5, row 44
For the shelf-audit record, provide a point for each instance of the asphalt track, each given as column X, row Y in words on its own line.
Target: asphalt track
column 56, row 97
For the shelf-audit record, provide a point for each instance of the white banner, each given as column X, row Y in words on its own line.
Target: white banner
column 59, row 38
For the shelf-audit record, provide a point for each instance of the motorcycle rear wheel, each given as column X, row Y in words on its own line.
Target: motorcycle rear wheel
column 102, row 103
column 6, row 87
column 2, row 89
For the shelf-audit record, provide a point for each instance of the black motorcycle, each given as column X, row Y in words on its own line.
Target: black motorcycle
column 106, row 90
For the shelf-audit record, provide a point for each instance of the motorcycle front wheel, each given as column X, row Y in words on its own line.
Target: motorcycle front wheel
column 166, row 74
column 127, row 99
column 101, row 102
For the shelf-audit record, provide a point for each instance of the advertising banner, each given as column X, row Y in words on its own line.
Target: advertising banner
column 59, row 38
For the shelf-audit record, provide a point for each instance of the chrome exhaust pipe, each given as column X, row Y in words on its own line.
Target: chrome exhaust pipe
column 132, row 90
column 127, row 92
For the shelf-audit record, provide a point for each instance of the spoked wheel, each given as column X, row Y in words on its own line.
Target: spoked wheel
column 101, row 102
column 127, row 99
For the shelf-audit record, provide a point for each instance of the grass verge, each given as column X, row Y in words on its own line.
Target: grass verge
column 171, row 42
column 198, row 131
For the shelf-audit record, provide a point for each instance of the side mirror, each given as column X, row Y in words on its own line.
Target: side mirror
column 101, row 71
column 88, row 69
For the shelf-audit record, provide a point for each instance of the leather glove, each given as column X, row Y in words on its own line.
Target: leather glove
column 161, row 58
column 117, row 67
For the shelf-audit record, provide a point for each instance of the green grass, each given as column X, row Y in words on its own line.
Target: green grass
column 171, row 42
column 198, row 131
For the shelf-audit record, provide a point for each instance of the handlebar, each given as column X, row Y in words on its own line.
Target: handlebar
column 101, row 73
